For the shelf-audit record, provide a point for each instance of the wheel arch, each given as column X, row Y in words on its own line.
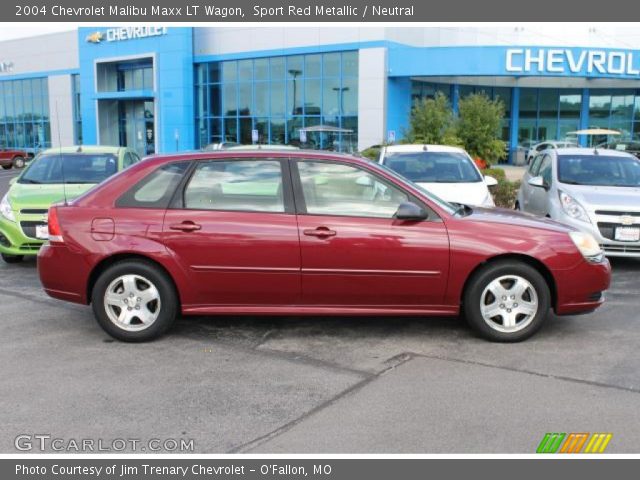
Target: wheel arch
column 526, row 259
column 107, row 262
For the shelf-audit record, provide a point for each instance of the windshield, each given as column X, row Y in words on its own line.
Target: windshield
column 599, row 170
column 433, row 167
column 442, row 203
column 79, row 168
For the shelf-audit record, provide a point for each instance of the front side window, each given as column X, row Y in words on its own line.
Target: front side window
column 343, row 190
column 535, row 166
column 70, row 168
column 433, row 167
column 545, row 169
column 238, row 185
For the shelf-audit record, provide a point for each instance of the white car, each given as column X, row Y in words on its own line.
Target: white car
column 447, row 172
column 548, row 145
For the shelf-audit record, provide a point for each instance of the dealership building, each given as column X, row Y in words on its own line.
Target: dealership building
column 164, row 89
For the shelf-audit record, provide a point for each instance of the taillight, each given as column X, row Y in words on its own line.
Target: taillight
column 55, row 232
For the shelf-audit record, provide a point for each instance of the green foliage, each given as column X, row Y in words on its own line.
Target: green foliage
column 432, row 122
column 372, row 153
column 505, row 193
column 478, row 126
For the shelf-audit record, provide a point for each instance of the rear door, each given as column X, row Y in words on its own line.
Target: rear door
column 234, row 229
column 354, row 252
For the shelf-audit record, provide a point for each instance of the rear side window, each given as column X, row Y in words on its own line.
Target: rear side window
column 238, row 185
column 156, row 189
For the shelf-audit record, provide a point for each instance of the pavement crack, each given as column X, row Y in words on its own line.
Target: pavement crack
column 529, row 372
column 394, row 361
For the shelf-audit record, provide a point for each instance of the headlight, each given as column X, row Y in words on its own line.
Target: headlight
column 5, row 209
column 572, row 208
column 588, row 246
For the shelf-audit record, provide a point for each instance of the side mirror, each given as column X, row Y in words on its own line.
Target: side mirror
column 410, row 211
column 490, row 181
column 538, row 182
column 13, row 180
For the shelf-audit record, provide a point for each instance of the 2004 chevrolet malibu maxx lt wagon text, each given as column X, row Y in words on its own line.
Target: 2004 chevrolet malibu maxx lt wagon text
column 307, row 233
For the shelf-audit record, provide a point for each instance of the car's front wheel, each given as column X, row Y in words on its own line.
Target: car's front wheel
column 134, row 301
column 12, row 258
column 507, row 301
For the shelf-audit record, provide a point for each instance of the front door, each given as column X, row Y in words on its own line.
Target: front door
column 354, row 253
column 539, row 198
column 235, row 231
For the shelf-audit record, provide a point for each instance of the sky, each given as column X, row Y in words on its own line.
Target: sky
column 9, row 33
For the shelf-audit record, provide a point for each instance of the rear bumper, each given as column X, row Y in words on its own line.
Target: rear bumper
column 14, row 242
column 581, row 289
column 63, row 275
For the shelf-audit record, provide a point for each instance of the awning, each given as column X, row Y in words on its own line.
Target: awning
column 595, row 131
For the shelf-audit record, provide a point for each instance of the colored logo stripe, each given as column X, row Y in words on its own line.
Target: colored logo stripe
column 550, row 443
column 573, row 443
column 598, row 443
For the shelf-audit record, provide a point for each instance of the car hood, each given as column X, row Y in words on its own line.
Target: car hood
column 516, row 218
column 466, row 193
column 22, row 195
column 605, row 198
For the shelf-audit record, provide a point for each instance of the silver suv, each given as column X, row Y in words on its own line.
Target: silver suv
column 597, row 191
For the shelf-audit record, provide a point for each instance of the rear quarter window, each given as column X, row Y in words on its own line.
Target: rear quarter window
column 156, row 189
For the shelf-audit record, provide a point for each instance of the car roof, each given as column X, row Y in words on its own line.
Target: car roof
column 229, row 154
column 422, row 147
column 84, row 149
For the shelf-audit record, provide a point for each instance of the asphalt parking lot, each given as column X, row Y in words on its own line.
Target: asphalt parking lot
column 300, row 385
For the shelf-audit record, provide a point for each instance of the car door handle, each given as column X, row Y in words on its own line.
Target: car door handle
column 320, row 232
column 187, row 226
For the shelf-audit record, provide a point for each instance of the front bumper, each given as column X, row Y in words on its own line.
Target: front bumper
column 13, row 241
column 612, row 248
column 581, row 289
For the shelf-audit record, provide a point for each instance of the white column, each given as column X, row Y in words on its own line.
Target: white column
column 372, row 96
column 61, row 110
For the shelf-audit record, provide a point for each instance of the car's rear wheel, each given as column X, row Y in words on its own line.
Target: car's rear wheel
column 18, row 162
column 134, row 301
column 507, row 301
column 12, row 258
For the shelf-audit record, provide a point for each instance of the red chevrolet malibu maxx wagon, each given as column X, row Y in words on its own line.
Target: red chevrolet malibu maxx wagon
column 307, row 233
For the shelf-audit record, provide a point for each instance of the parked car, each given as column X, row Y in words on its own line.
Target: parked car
column 54, row 175
column 448, row 172
column 630, row 146
column 276, row 232
column 596, row 191
column 218, row 146
column 12, row 158
column 550, row 144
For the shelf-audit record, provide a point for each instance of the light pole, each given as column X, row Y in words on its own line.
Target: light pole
column 294, row 73
column 340, row 92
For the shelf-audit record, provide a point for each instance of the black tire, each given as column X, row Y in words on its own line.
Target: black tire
column 517, row 206
column 481, row 280
column 18, row 162
column 12, row 258
column 7, row 167
column 168, row 310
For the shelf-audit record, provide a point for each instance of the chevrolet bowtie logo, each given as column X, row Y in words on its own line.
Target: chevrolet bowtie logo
column 626, row 220
column 96, row 37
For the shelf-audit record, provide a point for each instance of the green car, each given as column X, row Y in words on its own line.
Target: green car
column 54, row 175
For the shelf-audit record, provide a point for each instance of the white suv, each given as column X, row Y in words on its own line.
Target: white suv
column 447, row 172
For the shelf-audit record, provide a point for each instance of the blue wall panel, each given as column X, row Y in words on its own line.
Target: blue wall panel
column 173, row 53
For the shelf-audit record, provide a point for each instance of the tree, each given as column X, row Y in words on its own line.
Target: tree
column 432, row 122
column 478, row 127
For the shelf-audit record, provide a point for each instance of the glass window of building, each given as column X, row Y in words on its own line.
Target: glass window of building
column 280, row 97
column 24, row 114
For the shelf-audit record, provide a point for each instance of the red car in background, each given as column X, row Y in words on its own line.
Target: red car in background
column 307, row 233
column 12, row 158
